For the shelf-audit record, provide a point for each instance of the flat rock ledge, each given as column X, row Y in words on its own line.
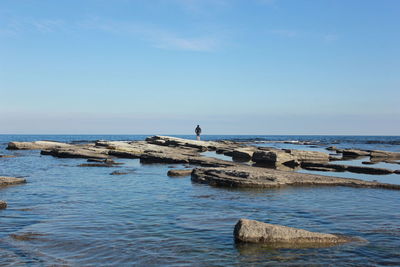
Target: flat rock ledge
column 253, row 177
column 279, row 236
column 3, row 204
column 4, row 181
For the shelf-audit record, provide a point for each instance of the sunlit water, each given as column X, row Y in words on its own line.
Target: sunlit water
column 84, row 216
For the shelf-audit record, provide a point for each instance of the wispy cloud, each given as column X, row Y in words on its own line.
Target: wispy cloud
column 21, row 25
column 157, row 37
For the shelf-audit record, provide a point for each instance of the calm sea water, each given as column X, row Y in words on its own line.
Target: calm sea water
column 76, row 216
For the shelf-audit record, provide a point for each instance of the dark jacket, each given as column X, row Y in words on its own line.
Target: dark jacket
column 198, row 130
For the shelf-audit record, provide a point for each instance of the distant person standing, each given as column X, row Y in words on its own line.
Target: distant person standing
column 198, row 132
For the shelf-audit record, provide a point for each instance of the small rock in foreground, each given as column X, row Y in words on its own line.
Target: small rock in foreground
column 279, row 236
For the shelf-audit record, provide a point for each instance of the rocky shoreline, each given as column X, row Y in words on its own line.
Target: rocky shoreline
column 251, row 166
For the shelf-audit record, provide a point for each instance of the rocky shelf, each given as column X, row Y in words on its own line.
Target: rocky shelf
column 247, row 169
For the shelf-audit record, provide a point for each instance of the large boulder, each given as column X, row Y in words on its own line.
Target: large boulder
column 4, row 181
column 282, row 236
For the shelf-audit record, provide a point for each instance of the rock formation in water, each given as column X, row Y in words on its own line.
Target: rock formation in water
column 279, row 236
column 172, row 150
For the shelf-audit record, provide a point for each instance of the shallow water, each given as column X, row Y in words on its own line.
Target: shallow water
column 85, row 216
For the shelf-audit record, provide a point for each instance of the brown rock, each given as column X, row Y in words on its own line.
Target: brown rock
column 3, row 204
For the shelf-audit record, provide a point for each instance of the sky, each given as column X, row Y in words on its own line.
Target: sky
column 233, row 66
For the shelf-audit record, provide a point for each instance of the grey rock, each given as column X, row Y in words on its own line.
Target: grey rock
column 280, row 236
column 246, row 176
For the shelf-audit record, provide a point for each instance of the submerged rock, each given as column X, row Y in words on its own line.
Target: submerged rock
column 7, row 156
column 3, row 204
column 118, row 173
column 284, row 237
column 185, row 172
column 4, row 181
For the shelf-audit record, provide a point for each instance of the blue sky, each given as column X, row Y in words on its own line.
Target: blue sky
column 232, row 66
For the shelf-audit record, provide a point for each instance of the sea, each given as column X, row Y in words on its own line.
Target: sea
column 67, row 215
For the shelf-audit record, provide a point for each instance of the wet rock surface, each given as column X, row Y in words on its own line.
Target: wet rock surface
column 280, row 236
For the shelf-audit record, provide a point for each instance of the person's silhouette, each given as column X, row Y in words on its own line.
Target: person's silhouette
column 198, row 132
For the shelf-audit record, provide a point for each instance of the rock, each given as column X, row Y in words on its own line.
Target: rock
column 284, row 237
column 354, row 153
column 124, row 154
column 3, row 204
column 180, row 142
column 274, row 157
column 37, row 145
column 7, row 156
column 331, row 148
column 368, row 170
column 309, row 156
column 4, row 181
column 368, row 162
column 185, row 172
column 77, row 153
column 247, row 176
column 118, row 173
column 321, row 169
column 397, row 172
column 385, row 154
column 168, row 158
column 96, row 160
column 108, row 165
column 243, row 154
column 342, row 168
column 26, row 236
